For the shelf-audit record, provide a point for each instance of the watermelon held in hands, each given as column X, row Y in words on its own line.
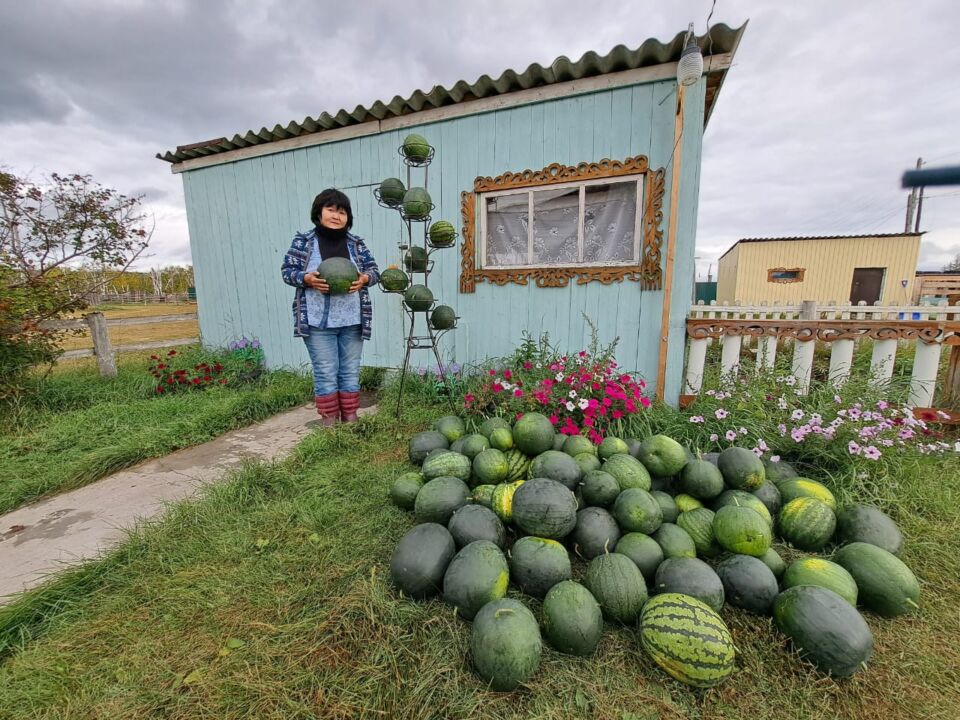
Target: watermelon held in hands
column 340, row 273
column 415, row 147
column 392, row 191
column 687, row 639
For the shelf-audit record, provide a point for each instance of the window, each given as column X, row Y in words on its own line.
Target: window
column 588, row 223
column 785, row 275
column 592, row 222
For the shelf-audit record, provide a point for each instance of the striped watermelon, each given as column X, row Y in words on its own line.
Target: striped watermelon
column 802, row 487
column 617, row 584
column 501, row 502
column 699, row 525
column 822, row 573
column 807, row 523
column 687, row 639
column 519, row 465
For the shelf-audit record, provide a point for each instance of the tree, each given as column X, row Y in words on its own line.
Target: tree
column 953, row 266
column 47, row 232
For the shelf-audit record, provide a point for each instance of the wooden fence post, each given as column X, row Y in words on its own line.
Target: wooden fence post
column 101, row 344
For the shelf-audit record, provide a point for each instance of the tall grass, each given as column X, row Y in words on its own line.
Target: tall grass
column 76, row 427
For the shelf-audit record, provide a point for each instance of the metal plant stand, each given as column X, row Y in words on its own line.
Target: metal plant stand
column 429, row 338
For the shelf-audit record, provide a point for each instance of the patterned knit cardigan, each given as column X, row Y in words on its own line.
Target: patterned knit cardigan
column 294, row 268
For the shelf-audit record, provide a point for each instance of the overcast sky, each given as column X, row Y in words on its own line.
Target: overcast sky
column 827, row 103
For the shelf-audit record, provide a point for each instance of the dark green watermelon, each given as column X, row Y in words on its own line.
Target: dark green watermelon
column 572, row 619
column 865, row 523
column 505, row 644
column 340, row 273
column 544, row 508
column 425, row 442
column 618, row 586
column 675, row 541
column 421, row 559
column 599, row 488
column 701, row 479
column 644, row 551
column 596, row 533
column 886, row 585
column 476, row 575
column 689, row 576
column 668, row 506
column 636, row 510
column 439, row 499
column 405, row 488
column 476, row 522
column 537, row 564
column 824, row 628
column 748, row 583
column 770, row 497
column 558, row 466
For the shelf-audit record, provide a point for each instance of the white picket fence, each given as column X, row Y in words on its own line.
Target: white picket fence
column 930, row 326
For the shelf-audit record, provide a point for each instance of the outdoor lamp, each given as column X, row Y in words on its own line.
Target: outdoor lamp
column 690, row 67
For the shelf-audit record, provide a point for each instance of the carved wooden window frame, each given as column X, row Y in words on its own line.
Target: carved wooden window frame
column 782, row 281
column 648, row 273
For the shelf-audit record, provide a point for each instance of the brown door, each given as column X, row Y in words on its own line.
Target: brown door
column 867, row 283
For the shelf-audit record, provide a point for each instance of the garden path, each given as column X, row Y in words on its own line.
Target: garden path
column 53, row 533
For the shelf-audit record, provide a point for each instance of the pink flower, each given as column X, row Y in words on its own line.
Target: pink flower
column 492, row 373
column 720, row 413
column 645, row 402
column 616, row 414
column 631, row 408
column 774, row 458
column 554, row 419
column 698, row 419
column 518, row 393
column 853, row 448
column 468, row 398
column 871, row 453
column 527, row 365
column 497, row 387
column 714, row 437
column 731, row 435
column 507, row 374
column 607, row 402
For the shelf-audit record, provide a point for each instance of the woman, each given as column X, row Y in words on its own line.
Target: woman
column 333, row 327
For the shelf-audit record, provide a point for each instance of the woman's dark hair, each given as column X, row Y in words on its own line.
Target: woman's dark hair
column 331, row 196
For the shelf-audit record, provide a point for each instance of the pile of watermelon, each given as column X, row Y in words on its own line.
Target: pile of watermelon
column 660, row 539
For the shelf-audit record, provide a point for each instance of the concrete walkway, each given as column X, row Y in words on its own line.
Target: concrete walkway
column 66, row 529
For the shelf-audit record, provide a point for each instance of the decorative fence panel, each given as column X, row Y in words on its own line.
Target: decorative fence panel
column 840, row 326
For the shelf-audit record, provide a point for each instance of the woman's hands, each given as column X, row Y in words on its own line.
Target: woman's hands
column 359, row 283
column 312, row 280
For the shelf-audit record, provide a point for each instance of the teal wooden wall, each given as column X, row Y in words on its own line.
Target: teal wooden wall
column 243, row 214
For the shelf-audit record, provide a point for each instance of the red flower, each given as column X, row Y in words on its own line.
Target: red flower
column 196, row 381
column 223, row 381
column 492, row 373
column 169, row 380
column 171, row 353
column 507, row 374
column 207, row 378
column 179, row 372
column 160, row 389
column 554, row 419
column 218, row 367
column 497, row 387
column 161, row 366
column 527, row 365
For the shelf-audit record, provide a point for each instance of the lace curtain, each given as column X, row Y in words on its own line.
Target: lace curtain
column 608, row 226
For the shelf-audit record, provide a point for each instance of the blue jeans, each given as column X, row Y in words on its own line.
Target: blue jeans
column 335, row 356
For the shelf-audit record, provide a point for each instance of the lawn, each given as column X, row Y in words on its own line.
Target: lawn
column 269, row 597
column 76, row 427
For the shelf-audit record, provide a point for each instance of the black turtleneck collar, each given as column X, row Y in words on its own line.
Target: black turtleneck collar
column 333, row 243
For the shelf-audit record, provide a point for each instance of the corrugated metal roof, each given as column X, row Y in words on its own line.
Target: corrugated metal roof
column 818, row 237
column 721, row 39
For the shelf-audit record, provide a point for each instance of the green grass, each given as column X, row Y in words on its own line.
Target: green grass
column 290, row 561
column 77, row 427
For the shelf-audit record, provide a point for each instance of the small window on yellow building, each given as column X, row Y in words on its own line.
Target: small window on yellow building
column 785, row 275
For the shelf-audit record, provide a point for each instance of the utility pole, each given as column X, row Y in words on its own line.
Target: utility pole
column 912, row 203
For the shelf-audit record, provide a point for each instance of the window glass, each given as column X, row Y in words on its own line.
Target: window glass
column 508, row 218
column 555, row 224
column 609, row 222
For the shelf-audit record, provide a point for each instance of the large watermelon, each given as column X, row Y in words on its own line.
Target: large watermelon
column 865, row 523
column 675, row 541
column 490, row 466
column 628, row 471
column 617, row 584
column 537, row 564
column 420, row 560
column 699, row 525
column 340, row 273
column 802, row 487
column 574, row 445
column 491, row 424
column 439, row 499
column 423, row 443
column 599, row 488
column 478, row 574
column 451, row 427
column 533, row 434
column 418, row 298
column 687, row 639
column 572, row 619
column 886, row 585
column 448, row 463
column 701, row 479
column 544, row 508
column 824, row 628
column 611, row 445
column 741, row 498
column 473, row 445
column 505, row 644
column 417, row 203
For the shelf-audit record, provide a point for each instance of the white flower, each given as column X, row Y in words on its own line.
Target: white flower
column 538, row 366
column 790, row 380
column 572, row 393
column 558, row 377
column 584, row 403
column 774, row 458
column 782, row 403
column 797, row 414
column 742, row 431
column 570, row 406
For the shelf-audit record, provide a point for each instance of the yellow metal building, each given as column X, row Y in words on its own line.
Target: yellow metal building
column 841, row 269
